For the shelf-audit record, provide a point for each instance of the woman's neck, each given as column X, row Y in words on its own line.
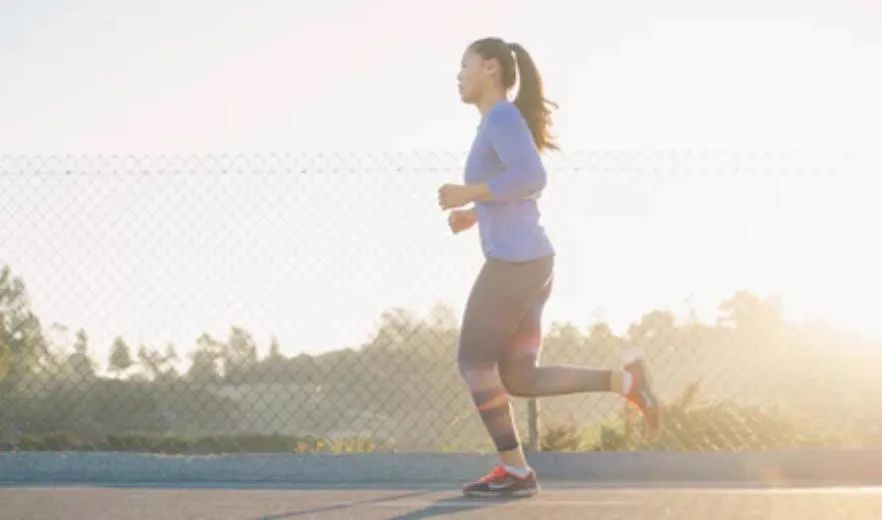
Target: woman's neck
column 489, row 99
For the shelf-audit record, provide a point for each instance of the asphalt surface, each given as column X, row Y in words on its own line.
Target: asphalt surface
column 557, row 501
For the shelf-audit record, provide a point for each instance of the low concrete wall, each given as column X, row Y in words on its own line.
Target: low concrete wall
column 753, row 468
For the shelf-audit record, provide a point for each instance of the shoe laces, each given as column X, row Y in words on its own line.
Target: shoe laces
column 495, row 473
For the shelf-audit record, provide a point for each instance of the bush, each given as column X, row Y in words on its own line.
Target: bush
column 692, row 424
column 203, row 445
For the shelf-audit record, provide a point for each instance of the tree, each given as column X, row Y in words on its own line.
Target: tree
column 120, row 357
column 562, row 343
column 171, row 354
column 22, row 344
column 57, row 342
column 302, row 369
column 79, row 364
column 204, row 369
column 156, row 364
column 603, row 341
column 240, row 356
column 747, row 311
column 443, row 317
column 655, row 330
column 275, row 353
column 600, row 332
column 397, row 327
column 272, row 368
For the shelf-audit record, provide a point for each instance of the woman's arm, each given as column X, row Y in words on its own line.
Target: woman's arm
column 479, row 192
column 524, row 173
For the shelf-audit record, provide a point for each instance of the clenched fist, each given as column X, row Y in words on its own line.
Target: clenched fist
column 462, row 219
column 454, row 196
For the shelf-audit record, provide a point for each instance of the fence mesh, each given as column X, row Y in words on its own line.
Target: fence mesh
column 311, row 302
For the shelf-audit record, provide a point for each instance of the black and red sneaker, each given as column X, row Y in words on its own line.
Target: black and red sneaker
column 641, row 394
column 501, row 483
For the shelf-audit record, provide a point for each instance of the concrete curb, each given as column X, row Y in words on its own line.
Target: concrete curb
column 854, row 467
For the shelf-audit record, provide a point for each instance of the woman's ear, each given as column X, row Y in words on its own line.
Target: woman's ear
column 491, row 67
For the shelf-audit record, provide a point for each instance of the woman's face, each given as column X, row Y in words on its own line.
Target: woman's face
column 475, row 76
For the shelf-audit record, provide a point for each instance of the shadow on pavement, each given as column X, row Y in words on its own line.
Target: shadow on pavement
column 450, row 505
column 344, row 505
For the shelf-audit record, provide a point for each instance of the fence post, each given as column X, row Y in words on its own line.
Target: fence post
column 534, row 443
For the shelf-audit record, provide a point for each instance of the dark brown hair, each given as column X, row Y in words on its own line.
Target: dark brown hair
column 530, row 99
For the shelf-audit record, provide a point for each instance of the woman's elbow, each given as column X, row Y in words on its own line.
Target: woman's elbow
column 519, row 186
column 537, row 181
column 529, row 185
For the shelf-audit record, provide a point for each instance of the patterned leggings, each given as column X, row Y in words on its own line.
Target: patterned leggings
column 500, row 344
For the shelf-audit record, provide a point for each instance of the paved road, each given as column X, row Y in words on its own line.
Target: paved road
column 557, row 501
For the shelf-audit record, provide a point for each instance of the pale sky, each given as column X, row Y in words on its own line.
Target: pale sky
column 207, row 77
column 104, row 76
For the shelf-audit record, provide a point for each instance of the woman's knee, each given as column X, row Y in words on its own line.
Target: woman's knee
column 476, row 373
column 473, row 361
column 518, row 379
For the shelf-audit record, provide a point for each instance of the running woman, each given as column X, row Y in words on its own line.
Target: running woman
column 500, row 340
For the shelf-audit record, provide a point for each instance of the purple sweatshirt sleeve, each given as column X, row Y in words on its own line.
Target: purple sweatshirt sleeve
column 510, row 137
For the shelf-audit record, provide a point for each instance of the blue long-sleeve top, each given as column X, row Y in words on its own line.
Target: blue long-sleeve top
column 504, row 156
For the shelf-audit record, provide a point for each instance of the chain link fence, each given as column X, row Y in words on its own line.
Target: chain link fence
column 311, row 302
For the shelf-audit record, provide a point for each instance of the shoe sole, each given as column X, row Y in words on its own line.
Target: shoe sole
column 502, row 494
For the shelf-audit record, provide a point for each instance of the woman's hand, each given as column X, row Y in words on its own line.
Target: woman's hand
column 462, row 219
column 454, row 196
